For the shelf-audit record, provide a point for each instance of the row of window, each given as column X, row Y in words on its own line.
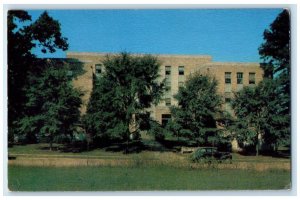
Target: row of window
column 239, row 78
column 168, row 70
column 99, row 69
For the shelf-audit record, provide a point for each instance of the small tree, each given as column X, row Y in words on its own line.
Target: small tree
column 122, row 94
column 52, row 105
column 259, row 114
column 198, row 107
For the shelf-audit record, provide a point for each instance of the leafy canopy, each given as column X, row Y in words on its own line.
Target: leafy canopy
column 260, row 113
column 198, row 108
column 275, row 51
column 122, row 94
column 52, row 104
column 23, row 36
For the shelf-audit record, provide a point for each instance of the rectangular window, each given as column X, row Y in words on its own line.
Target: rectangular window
column 168, row 101
column 69, row 73
column 251, row 78
column 227, row 94
column 180, row 84
column 165, row 119
column 168, row 85
column 227, row 99
column 239, row 78
column 228, row 77
column 167, row 70
column 98, row 69
column 181, row 70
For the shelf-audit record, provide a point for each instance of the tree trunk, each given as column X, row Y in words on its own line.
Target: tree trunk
column 51, row 145
column 257, row 148
column 257, row 144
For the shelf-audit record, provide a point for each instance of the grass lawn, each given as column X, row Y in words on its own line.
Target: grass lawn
column 43, row 149
column 22, row 178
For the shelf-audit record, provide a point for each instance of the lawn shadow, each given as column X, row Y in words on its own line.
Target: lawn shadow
column 137, row 146
column 276, row 154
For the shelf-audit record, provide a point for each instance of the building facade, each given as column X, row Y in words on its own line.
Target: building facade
column 175, row 69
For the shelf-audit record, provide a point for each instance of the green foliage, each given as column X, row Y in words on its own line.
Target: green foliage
column 275, row 51
column 276, row 55
column 52, row 105
column 23, row 37
column 265, row 109
column 121, row 95
column 199, row 106
column 158, row 131
column 260, row 111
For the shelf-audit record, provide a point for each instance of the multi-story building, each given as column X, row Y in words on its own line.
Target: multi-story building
column 175, row 69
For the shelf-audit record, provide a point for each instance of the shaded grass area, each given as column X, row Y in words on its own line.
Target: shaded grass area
column 40, row 150
column 43, row 149
column 141, row 178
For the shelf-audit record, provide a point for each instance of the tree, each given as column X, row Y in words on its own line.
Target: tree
column 275, row 51
column 52, row 105
column 121, row 96
column 198, row 107
column 259, row 115
column 44, row 33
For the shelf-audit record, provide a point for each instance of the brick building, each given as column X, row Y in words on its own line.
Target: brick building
column 176, row 68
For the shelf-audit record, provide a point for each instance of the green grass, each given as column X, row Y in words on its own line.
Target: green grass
column 42, row 149
column 141, row 178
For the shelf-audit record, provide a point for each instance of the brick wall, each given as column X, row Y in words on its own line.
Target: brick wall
column 190, row 63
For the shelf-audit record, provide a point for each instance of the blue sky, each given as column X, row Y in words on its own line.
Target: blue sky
column 232, row 35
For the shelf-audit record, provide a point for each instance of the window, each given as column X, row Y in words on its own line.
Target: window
column 167, row 70
column 227, row 97
column 239, row 78
column 168, row 85
column 251, row 78
column 98, row 69
column 228, row 77
column 165, row 119
column 69, row 73
column 181, row 70
column 180, row 84
column 168, row 101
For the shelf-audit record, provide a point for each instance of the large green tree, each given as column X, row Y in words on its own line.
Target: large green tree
column 276, row 54
column 52, row 104
column 23, row 37
column 121, row 96
column 259, row 117
column 198, row 108
column 275, row 51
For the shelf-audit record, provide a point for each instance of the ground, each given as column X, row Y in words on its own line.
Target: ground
column 35, row 168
